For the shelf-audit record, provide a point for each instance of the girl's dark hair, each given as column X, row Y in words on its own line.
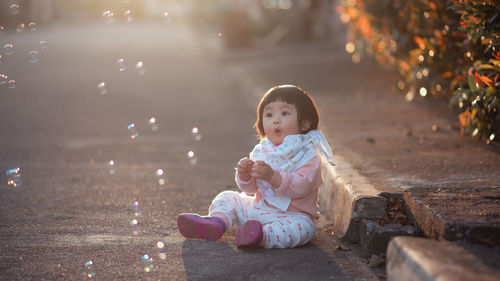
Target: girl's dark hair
column 306, row 108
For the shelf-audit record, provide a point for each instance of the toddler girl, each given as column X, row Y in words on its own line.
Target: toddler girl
column 284, row 173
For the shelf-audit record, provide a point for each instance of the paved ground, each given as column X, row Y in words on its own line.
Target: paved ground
column 61, row 132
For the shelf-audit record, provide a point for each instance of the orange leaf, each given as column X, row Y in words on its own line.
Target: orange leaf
column 420, row 42
column 447, row 74
column 485, row 80
column 404, row 65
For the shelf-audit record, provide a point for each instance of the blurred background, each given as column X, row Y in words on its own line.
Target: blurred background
column 242, row 22
column 273, row 21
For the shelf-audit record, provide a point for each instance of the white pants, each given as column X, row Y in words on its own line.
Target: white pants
column 280, row 229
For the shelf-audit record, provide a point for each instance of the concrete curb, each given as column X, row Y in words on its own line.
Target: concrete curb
column 346, row 204
column 410, row 258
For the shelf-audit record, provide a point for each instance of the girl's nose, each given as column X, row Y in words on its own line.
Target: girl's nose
column 276, row 122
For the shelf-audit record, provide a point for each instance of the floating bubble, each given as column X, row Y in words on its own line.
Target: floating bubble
column 14, row 9
column 167, row 17
column 128, row 16
column 135, row 208
column 89, row 271
column 121, row 65
column 108, row 16
column 111, row 166
column 32, row 26
column 43, row 45
column 12, row 84
column 2, row 30
column 2, row 58
column 161, row 249
column 192, row 158
column 3, row 79
column 159, row 173
column 14, row 177
column 196, row 133
column 153, row 124
column 33, row 55
column 220, row 34
column 21, row 28
column 102, row 87
column 8, row 49
column 135, row 224
column 139, row 66
column 147, row 262
column 132, row 131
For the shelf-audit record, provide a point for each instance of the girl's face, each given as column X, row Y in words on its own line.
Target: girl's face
column 279, row 120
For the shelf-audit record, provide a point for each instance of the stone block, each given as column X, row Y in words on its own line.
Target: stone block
column 419, row 259
column 469, row 214
column 374, row 238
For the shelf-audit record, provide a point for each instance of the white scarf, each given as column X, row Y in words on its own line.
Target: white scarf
column 293, row 153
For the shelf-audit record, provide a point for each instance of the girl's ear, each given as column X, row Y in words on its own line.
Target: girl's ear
column 306, row 124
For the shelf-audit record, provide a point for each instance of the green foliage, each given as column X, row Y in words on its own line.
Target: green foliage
column 440, row 48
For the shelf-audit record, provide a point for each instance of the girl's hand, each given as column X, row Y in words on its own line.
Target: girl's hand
column 260, row 170
column 244, row 168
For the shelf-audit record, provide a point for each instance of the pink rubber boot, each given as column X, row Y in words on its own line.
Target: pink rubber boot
column 249, row 234
column 195, row 226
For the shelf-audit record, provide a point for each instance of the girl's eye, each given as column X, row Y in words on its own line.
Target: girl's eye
column 285, row 113
column 269, row 114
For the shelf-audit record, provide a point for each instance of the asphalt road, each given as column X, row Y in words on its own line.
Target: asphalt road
column 62, row 132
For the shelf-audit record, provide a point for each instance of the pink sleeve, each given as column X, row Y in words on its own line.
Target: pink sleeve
column 301, row 182
column 249, row 187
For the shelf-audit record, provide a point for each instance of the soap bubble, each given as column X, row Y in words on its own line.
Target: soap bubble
column 128, row 16
column 135, row 209
column 32, row 26
column 3, row 79
column 121, row 65
column 102, row 87
column 153, row 124
column 8, row 49
column 108, row 16
column 89, row 269
column 161, row 248
column 192, row 158
column 2, row 30
column 12, row 84
column 159, row 173
column 139, row 66
column 196, row 133
column 14, row 177
column 167, row 17
column 21, row 28
column 33, row 55
column 43, row 44
column 135, row 224
column 147, row 262
column 2, row 58
column 111, row 167
column 132, row 131
column 14, row 9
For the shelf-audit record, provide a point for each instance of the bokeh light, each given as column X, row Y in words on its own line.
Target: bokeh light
column 89, row 269
column 14, row 177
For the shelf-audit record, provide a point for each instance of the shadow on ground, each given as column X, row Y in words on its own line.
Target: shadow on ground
column 204, row 260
